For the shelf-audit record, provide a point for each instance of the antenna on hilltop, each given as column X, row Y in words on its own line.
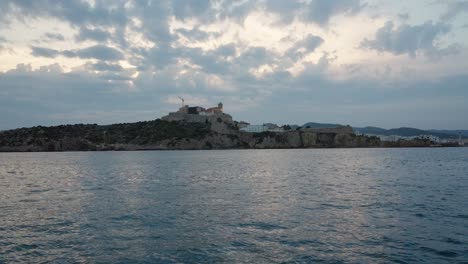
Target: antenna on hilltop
column 183, row 101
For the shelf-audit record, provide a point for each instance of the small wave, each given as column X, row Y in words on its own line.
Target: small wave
column 261, row 226
column 463, row 216
column 453, row 241
column 309, row 259
column 242, row 244
column 28, row 200
column 23, row 247
column 125, row 218
column 337, row 206
column 444, row 253
column 301, row 243
column 39, row 191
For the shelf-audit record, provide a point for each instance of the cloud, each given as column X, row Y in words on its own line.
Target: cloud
column 305, row 46
column 320, row 11
column 411, row 40
column 2, row 42
column 316, row 11
column 139, row 55
column 76, row 12
column 54, row 36
column 288, row 9
column 226, row 50
column 196, row 34
column 99, row 52
column 93, row 34
column 183, row 9
column 403, row 16
column 102, row 66
column 454, row 9
column 308, row 97
column 44, row 52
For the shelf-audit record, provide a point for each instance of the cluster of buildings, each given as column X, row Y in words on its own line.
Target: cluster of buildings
column 432, row 138
column 199, row 114
column 395, row 138
column 269, row 127
column 198, row 110
column 216, row 115
column 246, row 127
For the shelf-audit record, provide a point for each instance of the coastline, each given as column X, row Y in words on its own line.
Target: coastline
column 190, row 132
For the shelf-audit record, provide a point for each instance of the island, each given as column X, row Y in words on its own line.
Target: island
column 189, row 128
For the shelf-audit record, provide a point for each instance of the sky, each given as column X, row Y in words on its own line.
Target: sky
column 359, row 62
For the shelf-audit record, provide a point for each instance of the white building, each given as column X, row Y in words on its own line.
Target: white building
column 254, row 128
column 261, row 128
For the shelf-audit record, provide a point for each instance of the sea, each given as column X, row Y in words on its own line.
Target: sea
column 235, row 206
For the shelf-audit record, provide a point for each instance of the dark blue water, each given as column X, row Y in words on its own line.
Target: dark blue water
column 246, row 206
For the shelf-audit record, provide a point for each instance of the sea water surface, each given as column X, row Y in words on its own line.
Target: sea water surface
column 236, row 206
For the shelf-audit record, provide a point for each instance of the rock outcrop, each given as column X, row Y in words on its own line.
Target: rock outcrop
column 215, row 133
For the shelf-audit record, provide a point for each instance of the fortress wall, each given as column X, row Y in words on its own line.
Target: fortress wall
column 192, row 118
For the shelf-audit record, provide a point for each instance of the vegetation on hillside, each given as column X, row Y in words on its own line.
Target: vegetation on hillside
column 139, row 133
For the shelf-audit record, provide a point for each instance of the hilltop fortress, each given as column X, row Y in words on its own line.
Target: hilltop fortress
column 214, row 115
column 198, row 114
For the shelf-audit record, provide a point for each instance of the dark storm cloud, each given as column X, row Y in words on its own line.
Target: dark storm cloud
column 407, row 39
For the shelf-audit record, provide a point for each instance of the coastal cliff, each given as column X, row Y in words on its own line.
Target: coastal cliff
column 170, row 135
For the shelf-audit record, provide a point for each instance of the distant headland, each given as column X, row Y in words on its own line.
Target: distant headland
column 193, row 127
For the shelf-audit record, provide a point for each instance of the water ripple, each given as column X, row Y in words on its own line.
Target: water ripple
column 249, row 206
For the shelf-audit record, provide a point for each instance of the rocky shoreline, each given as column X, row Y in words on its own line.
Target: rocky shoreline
column 171, row 135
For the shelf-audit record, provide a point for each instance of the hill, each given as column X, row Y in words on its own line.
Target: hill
column 167, row 135
column 93, row 137
column 404, row 132
column 319, row 125
column 464, row 133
